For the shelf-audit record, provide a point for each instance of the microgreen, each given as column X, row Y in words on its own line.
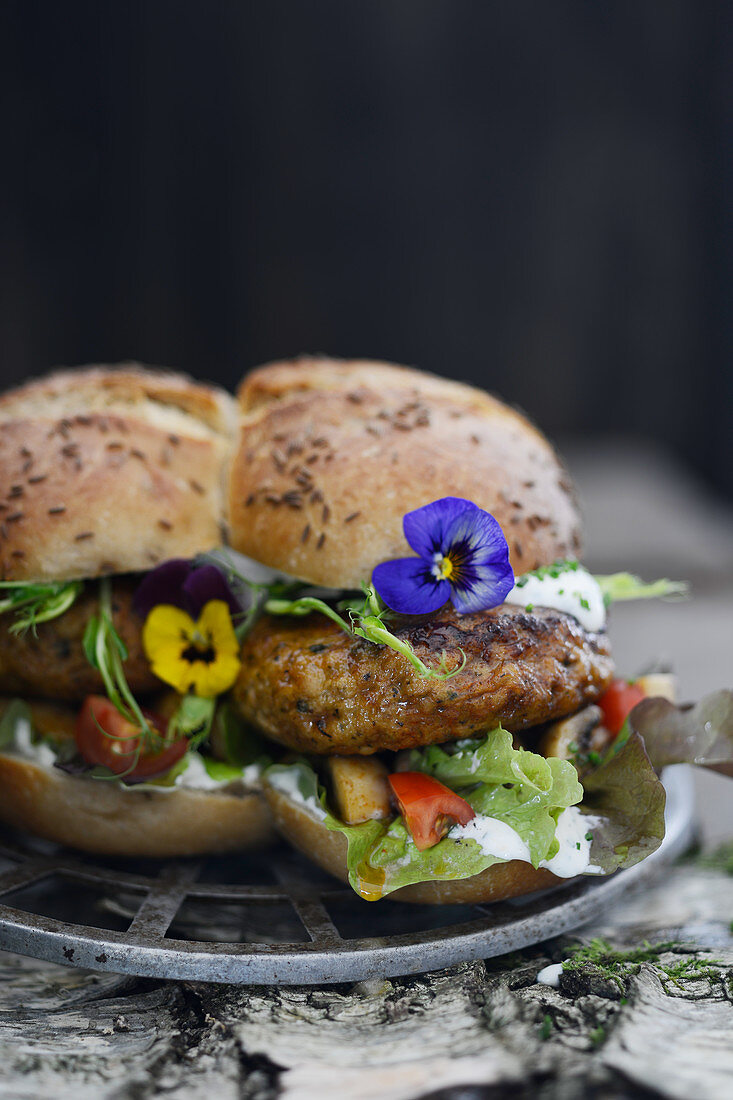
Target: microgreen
column 366, row 619
column 193, row 719
column 35, row 603
column 106, row 652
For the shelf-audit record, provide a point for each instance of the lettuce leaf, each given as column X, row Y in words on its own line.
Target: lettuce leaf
column 701, row 734
column 622, row 798
column 16, row 711
column 627, row 586
column 538, row 788
column 382, row 856
column 625, row 800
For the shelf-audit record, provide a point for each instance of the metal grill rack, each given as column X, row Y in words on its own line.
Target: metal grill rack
column 273, row 918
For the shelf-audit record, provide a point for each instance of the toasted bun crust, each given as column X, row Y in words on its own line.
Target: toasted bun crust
column 332, row 454
column 328, row 850
column 106, row 818
column 110, row 470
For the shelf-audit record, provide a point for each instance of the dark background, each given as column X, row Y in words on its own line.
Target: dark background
column 531, row 196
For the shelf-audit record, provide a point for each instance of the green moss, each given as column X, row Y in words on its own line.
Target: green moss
column 617, row 966
column 689, row 969
column 547, row 1027
column 597, row 1035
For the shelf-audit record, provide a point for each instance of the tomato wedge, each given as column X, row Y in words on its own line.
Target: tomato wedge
column 617, row 702
column 428, row 807
column 116, row 744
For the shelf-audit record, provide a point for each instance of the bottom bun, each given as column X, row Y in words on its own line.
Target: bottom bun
column 328, row 849
column 106, row 818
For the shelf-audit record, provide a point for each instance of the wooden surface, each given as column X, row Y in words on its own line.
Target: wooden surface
column 488, row 1028
column 475, row 1032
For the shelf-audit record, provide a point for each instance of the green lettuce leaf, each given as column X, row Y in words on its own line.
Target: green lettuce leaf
column 382, row 856
column 701, row 734
column 627, row 586
column 538, row 788
column 236, row 739
column 622, row 798
column 16, row 711
column 192, row 719
column 625, row 800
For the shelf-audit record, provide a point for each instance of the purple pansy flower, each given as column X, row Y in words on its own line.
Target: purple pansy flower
column 186, row 585
column 463, row 557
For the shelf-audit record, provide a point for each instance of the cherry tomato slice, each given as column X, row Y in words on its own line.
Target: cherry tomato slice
column 428, row 807
column 117, row 743
column 617, row 702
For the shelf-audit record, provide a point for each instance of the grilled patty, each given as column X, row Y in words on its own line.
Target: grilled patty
column 51, row 663
column 308, row 685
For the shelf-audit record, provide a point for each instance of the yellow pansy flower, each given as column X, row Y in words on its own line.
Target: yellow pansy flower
column 200, row 657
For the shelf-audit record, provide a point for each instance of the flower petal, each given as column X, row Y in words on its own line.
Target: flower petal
column 162, row 585
column 483, row 586
column 215, row 623
column 208, row 583
column 166, row 634
column 429, row 529
column 214, row 678
column 479, row 536
column 483, row 575
column 171, row 640
column 407, row 585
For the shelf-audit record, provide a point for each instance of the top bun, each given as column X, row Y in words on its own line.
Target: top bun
column 110, row 470
column 333, row 453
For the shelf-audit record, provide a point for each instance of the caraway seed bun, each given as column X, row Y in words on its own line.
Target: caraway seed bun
column 333, row 453
column 110, row 470
column 109, row 818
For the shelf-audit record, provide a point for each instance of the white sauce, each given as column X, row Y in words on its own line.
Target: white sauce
column 196, row 776
column 575, row 592
column 494, row 838
column 572, row 832
column 23, row 745
column 287, row 783
column 251, row 775
column 550, row 975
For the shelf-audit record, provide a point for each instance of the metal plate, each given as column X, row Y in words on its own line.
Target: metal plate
column 275, row 919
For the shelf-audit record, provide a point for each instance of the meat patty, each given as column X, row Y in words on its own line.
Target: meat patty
column 309, row 685
column 51, row 662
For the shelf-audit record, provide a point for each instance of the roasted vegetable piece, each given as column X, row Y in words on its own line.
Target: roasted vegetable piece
column 658, row 685
column 429, row 808
column 579, row 734
column 360, row 788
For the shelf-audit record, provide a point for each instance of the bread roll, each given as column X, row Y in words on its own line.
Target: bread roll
column 332, row 454
column 104, row 816
column 110, row 470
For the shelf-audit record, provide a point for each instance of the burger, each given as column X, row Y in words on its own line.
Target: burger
column 112, row 482
column 349, row 605
column 433, row 657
